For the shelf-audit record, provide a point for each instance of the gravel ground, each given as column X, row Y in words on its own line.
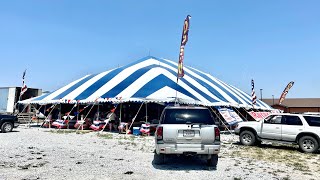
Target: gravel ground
column 37, row 153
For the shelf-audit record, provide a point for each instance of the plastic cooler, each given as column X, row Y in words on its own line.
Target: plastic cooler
column 136, row 131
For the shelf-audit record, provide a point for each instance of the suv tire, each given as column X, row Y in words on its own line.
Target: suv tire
column 158, row 159
column 213, row 161
column 247, row 138
column 308, row 144
column 6, row 127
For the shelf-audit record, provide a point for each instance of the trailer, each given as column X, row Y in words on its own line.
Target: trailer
column 9, row 96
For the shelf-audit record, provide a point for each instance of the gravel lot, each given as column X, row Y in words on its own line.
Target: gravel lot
column 37, row 153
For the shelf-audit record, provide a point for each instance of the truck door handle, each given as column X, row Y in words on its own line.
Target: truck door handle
column 277, row 128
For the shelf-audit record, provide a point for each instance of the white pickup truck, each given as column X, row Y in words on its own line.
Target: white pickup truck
column 300, row 129
column 189, row 131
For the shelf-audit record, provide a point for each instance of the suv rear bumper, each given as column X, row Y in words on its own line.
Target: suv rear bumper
column 187, row 148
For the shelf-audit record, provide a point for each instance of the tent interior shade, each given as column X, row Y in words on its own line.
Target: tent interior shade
column 150, row 79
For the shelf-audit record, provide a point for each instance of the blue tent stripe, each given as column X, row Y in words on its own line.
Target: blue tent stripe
column 98, row 84
column 158, row 83
column 210, row 88
column 41, row 97
column 214, row 92
column 72, row 88
column 216, row 84
column 246, row 99
column 126, row 82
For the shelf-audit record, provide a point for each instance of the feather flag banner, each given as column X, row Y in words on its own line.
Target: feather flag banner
column 184, row 40
column 285, row 92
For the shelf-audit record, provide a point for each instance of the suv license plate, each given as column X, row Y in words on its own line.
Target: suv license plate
column 188, row 133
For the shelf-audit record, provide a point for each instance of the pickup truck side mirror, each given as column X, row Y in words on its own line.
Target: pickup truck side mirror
column 217, row 123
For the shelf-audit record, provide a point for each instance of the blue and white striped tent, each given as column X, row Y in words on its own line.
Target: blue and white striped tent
column 150, row 80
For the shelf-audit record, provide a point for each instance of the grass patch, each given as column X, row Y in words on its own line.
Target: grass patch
column 82, row 132
column 106, row 136
column 61, row 131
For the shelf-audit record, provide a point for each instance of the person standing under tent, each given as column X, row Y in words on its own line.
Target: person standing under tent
column 111, row 118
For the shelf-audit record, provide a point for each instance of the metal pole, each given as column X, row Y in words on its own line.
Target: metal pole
column 120, row 118
column 261, row 94
column 272, row 99
column 146, row 112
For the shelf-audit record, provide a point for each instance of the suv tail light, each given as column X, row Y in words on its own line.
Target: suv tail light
column 159, row 133
column 217, row 134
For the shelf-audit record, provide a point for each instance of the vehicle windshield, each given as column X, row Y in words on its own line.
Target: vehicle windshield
column 185, row 116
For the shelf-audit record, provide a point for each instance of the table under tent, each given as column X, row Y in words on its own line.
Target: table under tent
column 149, row 80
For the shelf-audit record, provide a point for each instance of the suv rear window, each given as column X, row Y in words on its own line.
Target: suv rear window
column 312, row 120
column 183, row 116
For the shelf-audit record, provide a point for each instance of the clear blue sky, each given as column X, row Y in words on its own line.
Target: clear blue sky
column 273, row 42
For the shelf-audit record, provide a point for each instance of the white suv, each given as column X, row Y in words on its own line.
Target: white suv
column 300, row 129
column 189, row 131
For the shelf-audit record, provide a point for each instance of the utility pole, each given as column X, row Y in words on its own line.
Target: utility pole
column 272, row 99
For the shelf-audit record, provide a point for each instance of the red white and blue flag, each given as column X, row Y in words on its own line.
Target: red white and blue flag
column 253, row 94
column 184, row 40
column 24, row 87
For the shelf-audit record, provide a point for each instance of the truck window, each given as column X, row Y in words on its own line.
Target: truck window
column 292, row 120
column 183, row 116
column 273, row 120
column 312, row 120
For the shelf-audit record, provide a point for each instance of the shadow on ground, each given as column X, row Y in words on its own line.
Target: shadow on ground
column 183, row 163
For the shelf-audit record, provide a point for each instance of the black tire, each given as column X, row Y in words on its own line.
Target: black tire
column 213, row 161
column 258, row 142
column 247, row 138
column 308, row 144
column 6, row 127
column 158, row 159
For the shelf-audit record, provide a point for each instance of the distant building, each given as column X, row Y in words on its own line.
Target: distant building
column 9, row 96
column 296, row 105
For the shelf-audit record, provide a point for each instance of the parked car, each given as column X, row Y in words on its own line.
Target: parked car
column 8, row 122
column 300, row 129
column 189, row 131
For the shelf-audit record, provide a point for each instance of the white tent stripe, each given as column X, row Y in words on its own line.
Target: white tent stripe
column 226, row 96
column 151, row 74
column 120, row 77
column 194, row 82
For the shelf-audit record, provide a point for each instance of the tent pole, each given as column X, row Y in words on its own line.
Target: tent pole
column 120, row 118
column 77, row 111
column 85, row 118
column 240, row 114
column 46, row 117
column 98, row 111
column 146, row 113
column 220, row 120
column 134, row 118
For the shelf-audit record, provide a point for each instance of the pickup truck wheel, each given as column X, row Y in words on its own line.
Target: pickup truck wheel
column 247, row 138
column 213, row 161
column 158, row 159
column 308, row 144
column 6, row 127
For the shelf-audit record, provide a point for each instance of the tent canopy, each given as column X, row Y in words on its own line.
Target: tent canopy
column 150, row 80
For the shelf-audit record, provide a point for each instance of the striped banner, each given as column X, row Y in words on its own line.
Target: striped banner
column 24, row 87
column 253, row 94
